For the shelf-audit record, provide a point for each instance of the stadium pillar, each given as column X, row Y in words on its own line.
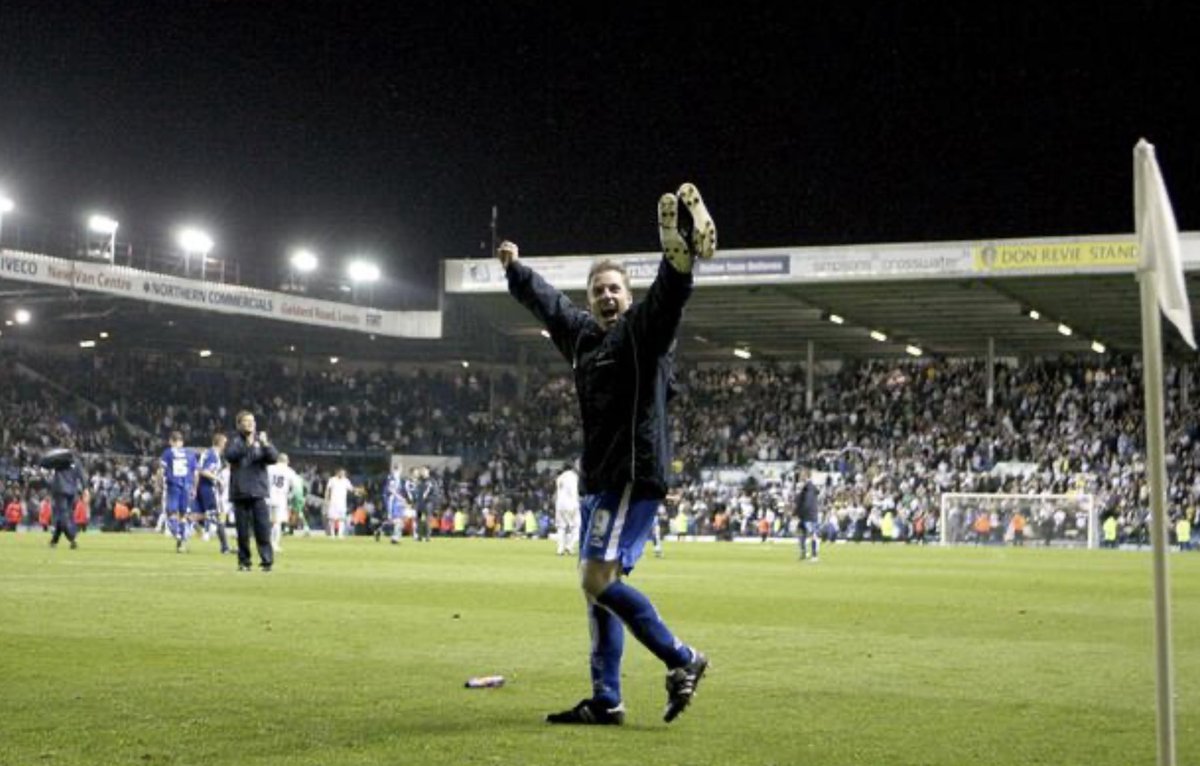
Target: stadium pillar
column 1185, row 380
column 808, row 377
column 991, row 372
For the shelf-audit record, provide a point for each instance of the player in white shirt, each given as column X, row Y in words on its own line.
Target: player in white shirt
column 566, row 510
column 337, row 490
column 281, row 476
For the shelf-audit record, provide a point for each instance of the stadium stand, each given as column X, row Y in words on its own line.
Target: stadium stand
column 891, row 436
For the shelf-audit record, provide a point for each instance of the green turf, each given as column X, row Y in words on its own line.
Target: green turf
column 353, row 652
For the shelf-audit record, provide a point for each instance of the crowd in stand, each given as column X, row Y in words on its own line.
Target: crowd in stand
column 890, row 436
column 34, row 417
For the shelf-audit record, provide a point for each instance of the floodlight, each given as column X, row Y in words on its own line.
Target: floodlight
column 304, row 261
column 362, row 271
column 102, row 224
column 195, row 241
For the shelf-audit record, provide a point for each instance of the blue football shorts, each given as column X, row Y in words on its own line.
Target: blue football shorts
column 178, row 499
column 206, row 500
column 395, row 509
column 612, row 527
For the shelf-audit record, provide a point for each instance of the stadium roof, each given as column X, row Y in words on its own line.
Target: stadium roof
column 948, row 318
column 773, row 316
column 944, row 299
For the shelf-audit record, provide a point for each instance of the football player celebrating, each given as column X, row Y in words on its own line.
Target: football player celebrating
column 622, row 355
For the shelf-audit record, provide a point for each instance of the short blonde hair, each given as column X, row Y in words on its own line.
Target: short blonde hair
column 607, row 264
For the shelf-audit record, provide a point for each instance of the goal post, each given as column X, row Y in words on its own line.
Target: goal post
column 990, row 519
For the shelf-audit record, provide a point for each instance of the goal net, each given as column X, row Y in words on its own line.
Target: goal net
column 1003, row 519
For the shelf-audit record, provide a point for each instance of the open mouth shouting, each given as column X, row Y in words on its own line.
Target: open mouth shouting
column 609, row 313
column 608, row 294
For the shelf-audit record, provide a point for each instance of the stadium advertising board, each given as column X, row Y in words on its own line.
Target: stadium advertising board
column 731, row 267
column 1070, row 256
column 570, row 272
column 1036, row 256
column 214, row 296
column 935, row 260
column 404, row 462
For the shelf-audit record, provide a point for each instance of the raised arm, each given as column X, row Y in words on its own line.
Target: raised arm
column 553, row 309
column 656, row 318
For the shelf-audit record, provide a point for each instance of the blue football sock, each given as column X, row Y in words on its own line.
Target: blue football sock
column 608, row 644
column 636, row 611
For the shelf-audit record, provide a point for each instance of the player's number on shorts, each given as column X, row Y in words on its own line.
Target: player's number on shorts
column 600, row 521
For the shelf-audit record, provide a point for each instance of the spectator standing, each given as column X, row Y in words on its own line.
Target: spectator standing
column 82, row 511
column 45, row 513
column 12, row 514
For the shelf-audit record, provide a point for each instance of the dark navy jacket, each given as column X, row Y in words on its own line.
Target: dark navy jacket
column 68, row 480
column 622, row 377
column 807, row 507
column 424, row 495
column 248, row 468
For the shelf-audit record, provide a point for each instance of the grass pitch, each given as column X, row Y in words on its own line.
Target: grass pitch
column 354, row 652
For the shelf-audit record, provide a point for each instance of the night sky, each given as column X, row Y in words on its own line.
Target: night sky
column 392, row 128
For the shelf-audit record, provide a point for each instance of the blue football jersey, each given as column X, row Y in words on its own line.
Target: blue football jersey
column 393, row 487
column 210, row 461
column 179, row 466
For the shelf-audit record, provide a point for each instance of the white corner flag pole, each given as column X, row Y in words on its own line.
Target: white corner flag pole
column 1160, row 274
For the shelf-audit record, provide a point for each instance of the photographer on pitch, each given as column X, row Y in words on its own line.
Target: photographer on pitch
column 248, row 454
column 66, row 485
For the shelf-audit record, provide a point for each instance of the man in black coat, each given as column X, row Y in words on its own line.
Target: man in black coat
column 66, row 484
column 808, row 511
column 248, row 454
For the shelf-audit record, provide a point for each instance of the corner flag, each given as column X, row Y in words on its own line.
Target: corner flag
column 1158, row 241
column 1160, row 277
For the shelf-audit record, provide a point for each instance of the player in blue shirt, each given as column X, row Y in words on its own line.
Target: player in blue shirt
column 178, row 471
column 395, row 501
column 208, row 493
